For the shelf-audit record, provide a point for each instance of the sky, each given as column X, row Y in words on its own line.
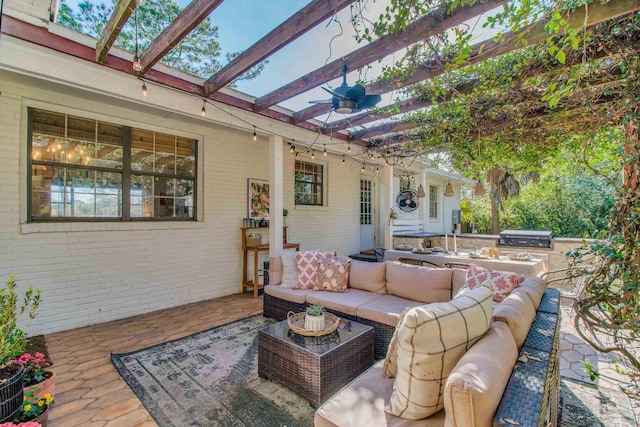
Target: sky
column 241, row 23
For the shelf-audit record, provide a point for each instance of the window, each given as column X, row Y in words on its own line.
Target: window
column 309, row 180
column 88, row 169
column 433, row 201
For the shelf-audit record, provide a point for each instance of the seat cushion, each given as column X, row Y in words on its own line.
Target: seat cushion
column 386, row 309
column 418, row 283
column 368, row 276
column 362, row 403
column 518, row 313
column 288, row 294
column 472, row 395
column 501, row 283
column 431, row 339
column 344, row 302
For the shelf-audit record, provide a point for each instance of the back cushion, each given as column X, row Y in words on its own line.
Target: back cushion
column 289, row 269
column 518, row 313
column 368, row 276
column 418, row 283
column 534, row 287
column 472, row 395
column 458, row 279
column 501, row 283
column 431, row 339
column 275, row 271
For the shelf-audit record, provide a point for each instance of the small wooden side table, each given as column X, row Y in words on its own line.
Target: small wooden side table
column 256, row 249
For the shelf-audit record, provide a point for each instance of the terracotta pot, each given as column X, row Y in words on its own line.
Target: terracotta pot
column 11, row 391
column 43, row 418
column 43, row 387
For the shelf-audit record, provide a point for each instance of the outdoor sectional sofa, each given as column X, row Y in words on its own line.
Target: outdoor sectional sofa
column 492, row 379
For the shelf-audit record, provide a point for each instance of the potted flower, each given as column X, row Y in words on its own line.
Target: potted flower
column 35, row 409
column 314, row 318
column 36, row 378
column 13, row 341
column 27, row 424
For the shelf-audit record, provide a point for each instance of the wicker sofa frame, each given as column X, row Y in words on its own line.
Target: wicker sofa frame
column 531, row 395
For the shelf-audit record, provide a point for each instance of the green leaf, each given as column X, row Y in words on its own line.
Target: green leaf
column 561, row 57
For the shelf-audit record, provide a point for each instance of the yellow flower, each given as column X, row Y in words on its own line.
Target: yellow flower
column 48, row 397
column 27, row 408
column 40, row 403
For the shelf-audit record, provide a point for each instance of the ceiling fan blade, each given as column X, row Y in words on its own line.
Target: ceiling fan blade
column 368, row 102
column 357, row 93
column 320, row 101
column 332, row 92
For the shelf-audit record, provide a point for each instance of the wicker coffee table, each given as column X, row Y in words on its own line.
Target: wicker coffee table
column 314, row 367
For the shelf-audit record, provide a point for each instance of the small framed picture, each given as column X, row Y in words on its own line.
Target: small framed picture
column 258, row 198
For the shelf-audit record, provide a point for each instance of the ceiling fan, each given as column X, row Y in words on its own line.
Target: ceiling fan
column 347, row 99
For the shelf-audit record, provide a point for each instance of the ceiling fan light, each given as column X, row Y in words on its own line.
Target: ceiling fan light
column 345, row 106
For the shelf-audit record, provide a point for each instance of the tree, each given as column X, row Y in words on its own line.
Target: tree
column 196, row 54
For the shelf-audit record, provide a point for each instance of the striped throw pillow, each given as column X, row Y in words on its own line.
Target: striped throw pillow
column 430, row 341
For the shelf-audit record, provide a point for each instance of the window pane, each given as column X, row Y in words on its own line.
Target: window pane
column 141, row 150
column 165, row 148
column 308, row 189
column 72, row 193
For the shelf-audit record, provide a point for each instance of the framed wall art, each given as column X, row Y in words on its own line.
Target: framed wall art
column 258, row 198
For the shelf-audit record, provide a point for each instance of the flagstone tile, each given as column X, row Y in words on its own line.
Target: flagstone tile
column 132, row 418
column 91, row 364
column 149, row 423
column 118, row 409
column 92, row 424
column 69, row 408
column 109, row 399
column 75, row 419
column 94, row 372
column 62, row 386
column 69, row 396
column 106, row 388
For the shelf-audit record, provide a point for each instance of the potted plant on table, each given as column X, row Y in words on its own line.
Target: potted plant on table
column 314, row 318
column 13, row 341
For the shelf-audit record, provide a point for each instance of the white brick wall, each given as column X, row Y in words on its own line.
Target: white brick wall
column 92, row 273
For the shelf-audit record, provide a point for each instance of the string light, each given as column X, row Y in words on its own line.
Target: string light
column 377, row 169
column 348, row 147
column 137, row 66
column 324, row 153
column 292, row 149
column 255, row 135
column 144, row 89
column 313, row 155
column 343, row 162
column 203, row 112
column 362, row 170
column 372, row 155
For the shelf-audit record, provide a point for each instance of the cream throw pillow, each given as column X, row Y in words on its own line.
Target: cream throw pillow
column 289, row 269
column 430, row 341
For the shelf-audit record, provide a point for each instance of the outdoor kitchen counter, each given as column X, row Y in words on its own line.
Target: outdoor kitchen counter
column 535, row 267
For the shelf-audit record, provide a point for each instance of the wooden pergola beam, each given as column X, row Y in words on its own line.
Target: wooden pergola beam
column 427, row 26
column 190, row 18
column 118, row 19
column 383, row 129
column 596, row 13
column 298, row 24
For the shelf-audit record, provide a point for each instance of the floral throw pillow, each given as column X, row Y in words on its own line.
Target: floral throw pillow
column 307, row 265
column 501, row 283
column 333, row 275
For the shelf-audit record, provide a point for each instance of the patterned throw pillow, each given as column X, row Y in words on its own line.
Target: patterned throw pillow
column 501, row 283
column 307, row 266
column 333, row 275
column 430, row 341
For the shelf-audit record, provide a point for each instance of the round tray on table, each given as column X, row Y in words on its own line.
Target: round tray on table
column 296, row 324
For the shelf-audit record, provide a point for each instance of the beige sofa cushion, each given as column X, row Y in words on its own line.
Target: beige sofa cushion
column 430, row 341
column 518, row 313
column 288, row 294
column 458, row 279
column 275, row 271
column 386, row 309
column 344, row 302
column 534, row 287
column 368, row 276
column 476, row 385
column 362, row 403
column 418, row 283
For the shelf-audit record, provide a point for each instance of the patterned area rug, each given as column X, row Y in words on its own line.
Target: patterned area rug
column 211, row 379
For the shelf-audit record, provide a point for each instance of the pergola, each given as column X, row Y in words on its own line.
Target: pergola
column 373, row 138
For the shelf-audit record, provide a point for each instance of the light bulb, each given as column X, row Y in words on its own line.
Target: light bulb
column 137, row 66
column 324, row 153
column 348, row 147
column 372, row 155
column 144, row 89
column 203, row 112
column 362, row 170
column 255, row 135
column 377, row 169
column 343, row 160
column 313, row 155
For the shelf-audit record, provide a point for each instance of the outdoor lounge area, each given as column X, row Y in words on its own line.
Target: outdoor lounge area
column 328, row 213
